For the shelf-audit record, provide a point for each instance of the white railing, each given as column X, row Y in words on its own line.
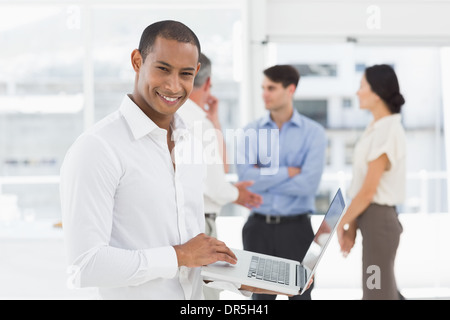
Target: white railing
column 340, row 178
column 10, row 180
column 419, row 199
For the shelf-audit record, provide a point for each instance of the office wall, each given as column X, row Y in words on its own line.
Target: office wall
column 365, row 21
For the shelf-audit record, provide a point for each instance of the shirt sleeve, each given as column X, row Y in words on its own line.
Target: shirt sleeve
column 89, row 177
column 384, row 141
column 217, row 188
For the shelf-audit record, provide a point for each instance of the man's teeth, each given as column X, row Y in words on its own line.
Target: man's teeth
column 169, row 99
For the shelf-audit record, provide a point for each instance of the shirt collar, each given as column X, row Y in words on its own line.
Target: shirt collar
column 191, row 112
column 141, row 125
column 296, row 119
column 391, row 118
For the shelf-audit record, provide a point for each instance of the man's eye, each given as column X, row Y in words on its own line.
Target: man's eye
column 163, row 68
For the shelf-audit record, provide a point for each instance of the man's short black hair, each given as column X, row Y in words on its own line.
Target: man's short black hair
column 284, row 74
column 167, row 29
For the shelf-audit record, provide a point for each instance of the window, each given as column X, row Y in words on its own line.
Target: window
column 41, row 102
column 347, row 103
column 349, row 148
column 317, row 70
column 64, row 67
column 360, row 67
column 314, row 109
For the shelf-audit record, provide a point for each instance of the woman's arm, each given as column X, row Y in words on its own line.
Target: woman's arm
column 365, row 195
column 360, row 202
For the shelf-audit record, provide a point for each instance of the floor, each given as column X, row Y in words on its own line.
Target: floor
column 422, row 264
column 33, row 263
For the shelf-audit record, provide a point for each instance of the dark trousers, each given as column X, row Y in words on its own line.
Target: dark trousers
column 288, row 239
column 380, row 230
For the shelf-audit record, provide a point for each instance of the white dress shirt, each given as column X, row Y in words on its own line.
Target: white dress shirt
column 217, row 190
column 385, row 136
column 124, row 208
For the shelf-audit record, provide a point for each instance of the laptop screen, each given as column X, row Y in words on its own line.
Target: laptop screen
column 325, row 231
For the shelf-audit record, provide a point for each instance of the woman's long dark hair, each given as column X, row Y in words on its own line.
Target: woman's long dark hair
column 384, row 83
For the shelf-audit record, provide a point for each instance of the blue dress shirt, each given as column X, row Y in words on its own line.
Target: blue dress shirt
column 265, row 153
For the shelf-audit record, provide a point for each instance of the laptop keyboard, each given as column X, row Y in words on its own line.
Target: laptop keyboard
column 269, row 270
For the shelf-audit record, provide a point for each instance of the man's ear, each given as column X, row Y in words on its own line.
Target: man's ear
column 136, row 60
column 292, row 89
column 207, row 84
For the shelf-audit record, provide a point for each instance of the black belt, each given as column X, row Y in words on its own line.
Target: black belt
column 211, row 215
column 269, row 219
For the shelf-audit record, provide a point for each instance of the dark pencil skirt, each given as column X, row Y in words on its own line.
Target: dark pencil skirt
column 380, row 229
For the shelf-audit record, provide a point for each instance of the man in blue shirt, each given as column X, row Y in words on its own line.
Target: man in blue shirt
column 286, row 164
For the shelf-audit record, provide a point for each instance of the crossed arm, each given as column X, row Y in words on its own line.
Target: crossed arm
column 288, row 180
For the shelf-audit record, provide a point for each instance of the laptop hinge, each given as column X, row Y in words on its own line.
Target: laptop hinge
column 300, row 276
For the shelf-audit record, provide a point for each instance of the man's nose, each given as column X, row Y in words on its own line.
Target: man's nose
column 173, row 84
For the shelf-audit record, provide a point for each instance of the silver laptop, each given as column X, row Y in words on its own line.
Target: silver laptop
column 278, row 274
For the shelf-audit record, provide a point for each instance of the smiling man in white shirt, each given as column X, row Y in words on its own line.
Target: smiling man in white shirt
column 133, row 212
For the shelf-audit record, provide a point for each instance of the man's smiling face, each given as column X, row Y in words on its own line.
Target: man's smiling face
column 166, row 78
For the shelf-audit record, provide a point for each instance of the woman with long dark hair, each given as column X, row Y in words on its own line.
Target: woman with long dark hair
column 378, row 184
